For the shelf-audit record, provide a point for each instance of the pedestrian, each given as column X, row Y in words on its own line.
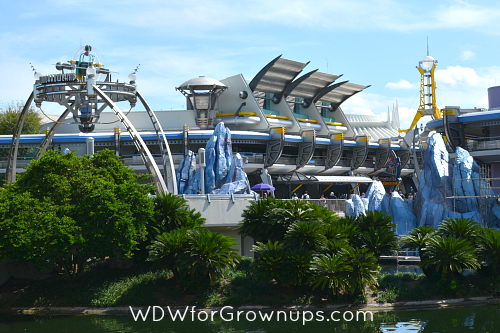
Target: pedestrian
column 305, row 195
column 410, row 196
column 363, row 195
column 322, row 200
column 332, row 196
column 199, row 192
column 295, row 197
column 415, row 196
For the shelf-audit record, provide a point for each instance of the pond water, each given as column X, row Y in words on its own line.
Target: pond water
column 484, row 319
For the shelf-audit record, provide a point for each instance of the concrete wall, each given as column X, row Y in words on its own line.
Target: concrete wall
column 223, row 216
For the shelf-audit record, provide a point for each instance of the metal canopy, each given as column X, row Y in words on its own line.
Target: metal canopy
column 309, row 85
column 277, row 75
column 337, row 94
column 297, row 177
column 202, row 83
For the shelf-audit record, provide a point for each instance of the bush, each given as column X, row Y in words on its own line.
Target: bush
column 95, row 207
column 195, row 255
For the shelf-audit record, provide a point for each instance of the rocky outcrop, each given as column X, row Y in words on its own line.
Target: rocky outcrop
column 402, row 213
column 401, row 210
column 223, row 173
column 435, row 181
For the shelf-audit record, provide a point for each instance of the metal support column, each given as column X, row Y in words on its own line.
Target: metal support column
column 139, row 143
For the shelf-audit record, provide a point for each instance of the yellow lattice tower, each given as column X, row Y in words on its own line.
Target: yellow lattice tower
column 426, row 68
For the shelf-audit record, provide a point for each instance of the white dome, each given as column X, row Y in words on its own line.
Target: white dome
column 202, row 83
column 428, row 62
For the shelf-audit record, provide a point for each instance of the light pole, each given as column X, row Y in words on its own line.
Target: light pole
column 203, row 164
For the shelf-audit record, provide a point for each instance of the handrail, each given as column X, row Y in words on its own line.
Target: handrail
column 334, row 123
column 232, row 114
column 307, row 120
column 276, row 117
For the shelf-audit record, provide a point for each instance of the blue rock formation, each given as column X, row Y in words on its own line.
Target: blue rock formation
column 195, row 183
column 210, row 159
column 402, row 213
column 377, row 198
column 465, row 170
column 220, row 153
column 354, row 206
column 223, row 174
column 185, row 172
column 436, row 179
column 401, row 210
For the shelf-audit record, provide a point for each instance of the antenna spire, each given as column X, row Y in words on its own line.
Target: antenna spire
column 427, row 45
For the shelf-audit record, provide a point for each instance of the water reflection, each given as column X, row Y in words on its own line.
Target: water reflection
column 474, row 319
column 415, row 326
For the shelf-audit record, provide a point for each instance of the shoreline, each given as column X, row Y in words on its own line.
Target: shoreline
column 385, row 307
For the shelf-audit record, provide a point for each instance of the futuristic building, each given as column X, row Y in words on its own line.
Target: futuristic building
column 289, row 126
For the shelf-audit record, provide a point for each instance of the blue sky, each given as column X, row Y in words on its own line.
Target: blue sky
column 375, row 43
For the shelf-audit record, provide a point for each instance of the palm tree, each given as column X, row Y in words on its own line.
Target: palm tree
column 258, row 224
column 381, row 241
column 417, row 239
column 344, row 228
column 173, row 212
column 298, row 265
column 376, row 219
column 270, row 262
column 306, row 234
column 332, row 272
column 207, row 254
column 460, row 228
column 488, row 250
column 166, row 247
column 294, row 211
column 364, row 268
column 449, row 254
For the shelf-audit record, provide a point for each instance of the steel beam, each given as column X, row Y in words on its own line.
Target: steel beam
column 382, row 154
column 275, row 146
column 334, row 152
column 48, row 138
column 306, row 148
column 360, row 152
column 10, row 173
column 168, row 162
column 139, row 143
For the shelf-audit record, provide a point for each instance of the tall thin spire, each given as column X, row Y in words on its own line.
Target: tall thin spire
column 427, row 45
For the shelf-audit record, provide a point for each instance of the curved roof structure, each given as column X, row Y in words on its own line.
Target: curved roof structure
column 277, row 75
column 309, row 85
column 338, row 94
column 373, row 126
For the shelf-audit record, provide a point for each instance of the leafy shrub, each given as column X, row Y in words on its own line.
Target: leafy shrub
column 196, row 254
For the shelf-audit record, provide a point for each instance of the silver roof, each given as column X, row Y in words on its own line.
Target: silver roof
column 277, row 75
column 201, row 83
column 310, row 84
column 338, row 95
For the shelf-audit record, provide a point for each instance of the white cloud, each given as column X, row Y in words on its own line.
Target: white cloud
column 401, row 84
column 457, row 76
column 467, row 55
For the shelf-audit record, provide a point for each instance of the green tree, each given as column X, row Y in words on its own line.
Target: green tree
column 270, row 262
column 10, row 115
column 417, row 239
column 364, row 269
column 194, row 255
column 102, row 200
column 305, row 234
column 173, row 212
column 331, row 272
column 488, row 250
column 460, row 228
column 449, row 254
column 206, row 255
